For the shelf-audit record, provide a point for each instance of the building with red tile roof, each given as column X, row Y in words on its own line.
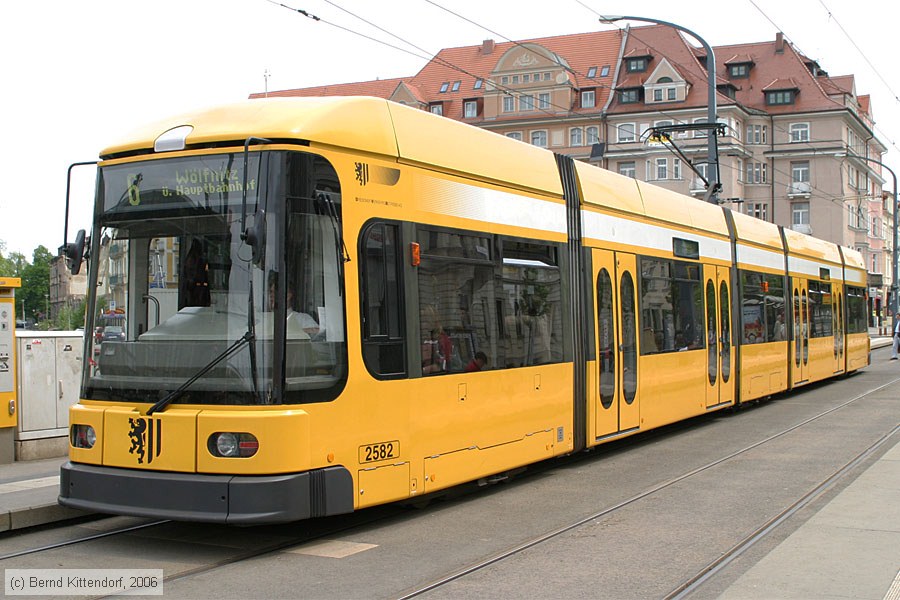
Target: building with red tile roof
column 792, row 133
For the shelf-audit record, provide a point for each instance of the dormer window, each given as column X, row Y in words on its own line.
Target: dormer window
column 636, row 65
column 666, row 90
column 739, row 71
column 630, row 96
column 588, row 99
column 781, row 92
column 780, row 97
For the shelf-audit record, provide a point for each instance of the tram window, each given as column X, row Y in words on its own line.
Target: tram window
column 671, row 306
column 606, row 351
column 480, row 294
column 856, row 310
column 821, row 318
column 762, row 308
column 383, row 339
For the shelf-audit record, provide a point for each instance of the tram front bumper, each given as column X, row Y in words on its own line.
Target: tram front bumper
column 230, row 499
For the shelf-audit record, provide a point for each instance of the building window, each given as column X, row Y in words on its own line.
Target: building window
column 739, row 71
column 526, row 103
column 676, row 168
column 757, row 134
column 636, row 65
column 455, row 87
column 437, row 109
column 526, row 78
column 629, row 96
column 657, row 95
column 604, row 71
column 760, row 210
column 800, row 213
column 478, row 84
column 509, row 104
column 504, row 80
column 576, row 137
column 780, row 97
column 544, row 101
column 662, row 168
column 800, row 172
column 625, row 133
column 471, row 109
column 515, row 79
column 799, row 132
column 444, row 87
column 588, row 98
column 593, row 134
column 539, row 138
column 757, row 172
column 516, row 135
column 626, row 168
column 592, row 72
column 671, row 94
column 700, row 133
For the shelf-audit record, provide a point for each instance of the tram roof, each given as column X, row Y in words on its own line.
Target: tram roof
column 367, row 125
column 607, row 190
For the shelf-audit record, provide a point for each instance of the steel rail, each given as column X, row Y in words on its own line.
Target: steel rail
column 504, row 554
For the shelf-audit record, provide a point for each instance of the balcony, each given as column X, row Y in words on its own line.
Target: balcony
column 799, row 189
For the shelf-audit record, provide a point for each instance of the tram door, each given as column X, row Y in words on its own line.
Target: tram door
column 837, row 325
column 800, row 339
column 615, row 280
column 720, row 358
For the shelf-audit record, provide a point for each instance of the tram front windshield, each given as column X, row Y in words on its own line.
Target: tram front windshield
column 222, row 296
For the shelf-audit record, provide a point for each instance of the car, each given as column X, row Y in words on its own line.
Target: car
column 112, row 333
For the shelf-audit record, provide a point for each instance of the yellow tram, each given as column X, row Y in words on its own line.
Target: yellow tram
column 334, row 303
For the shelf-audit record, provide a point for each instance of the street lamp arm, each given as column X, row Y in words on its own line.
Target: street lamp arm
column 895, row 252
column 712, row 153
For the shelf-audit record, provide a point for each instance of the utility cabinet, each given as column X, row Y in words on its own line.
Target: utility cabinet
column 49, row 378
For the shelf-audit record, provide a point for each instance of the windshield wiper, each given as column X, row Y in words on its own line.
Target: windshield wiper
column 247, row 338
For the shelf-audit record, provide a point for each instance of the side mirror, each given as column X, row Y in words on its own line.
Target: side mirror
column 255, row 237
column 74, row 253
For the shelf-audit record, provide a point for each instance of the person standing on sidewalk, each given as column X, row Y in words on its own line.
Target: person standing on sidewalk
column 896, row 346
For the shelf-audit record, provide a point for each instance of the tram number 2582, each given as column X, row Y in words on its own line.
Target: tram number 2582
column 379, row 451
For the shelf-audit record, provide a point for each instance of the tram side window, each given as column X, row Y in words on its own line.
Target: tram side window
column 762, row 308
column 856, row 310
column 821, row 320
column 486, row 302
column 672, row 317
column 456, row 300
column 384, row 348
column 530, row 287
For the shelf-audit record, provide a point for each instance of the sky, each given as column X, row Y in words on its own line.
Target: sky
column 76, row 75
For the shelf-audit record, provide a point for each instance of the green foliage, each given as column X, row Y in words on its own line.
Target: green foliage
column 70, row 317
column 34, row 294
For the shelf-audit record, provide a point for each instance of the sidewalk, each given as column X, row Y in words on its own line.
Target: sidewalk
column 28, row 492
column 849, row 549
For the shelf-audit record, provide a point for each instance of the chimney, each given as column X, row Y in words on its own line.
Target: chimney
column 487, row 46
column 779, row 43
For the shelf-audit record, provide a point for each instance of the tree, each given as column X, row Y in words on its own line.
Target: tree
column 35, row 291
column 13, row 265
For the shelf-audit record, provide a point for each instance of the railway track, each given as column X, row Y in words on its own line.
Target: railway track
column 694, row 582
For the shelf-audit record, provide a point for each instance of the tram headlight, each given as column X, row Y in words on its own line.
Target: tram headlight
column 227, row 444
column 83, row 436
